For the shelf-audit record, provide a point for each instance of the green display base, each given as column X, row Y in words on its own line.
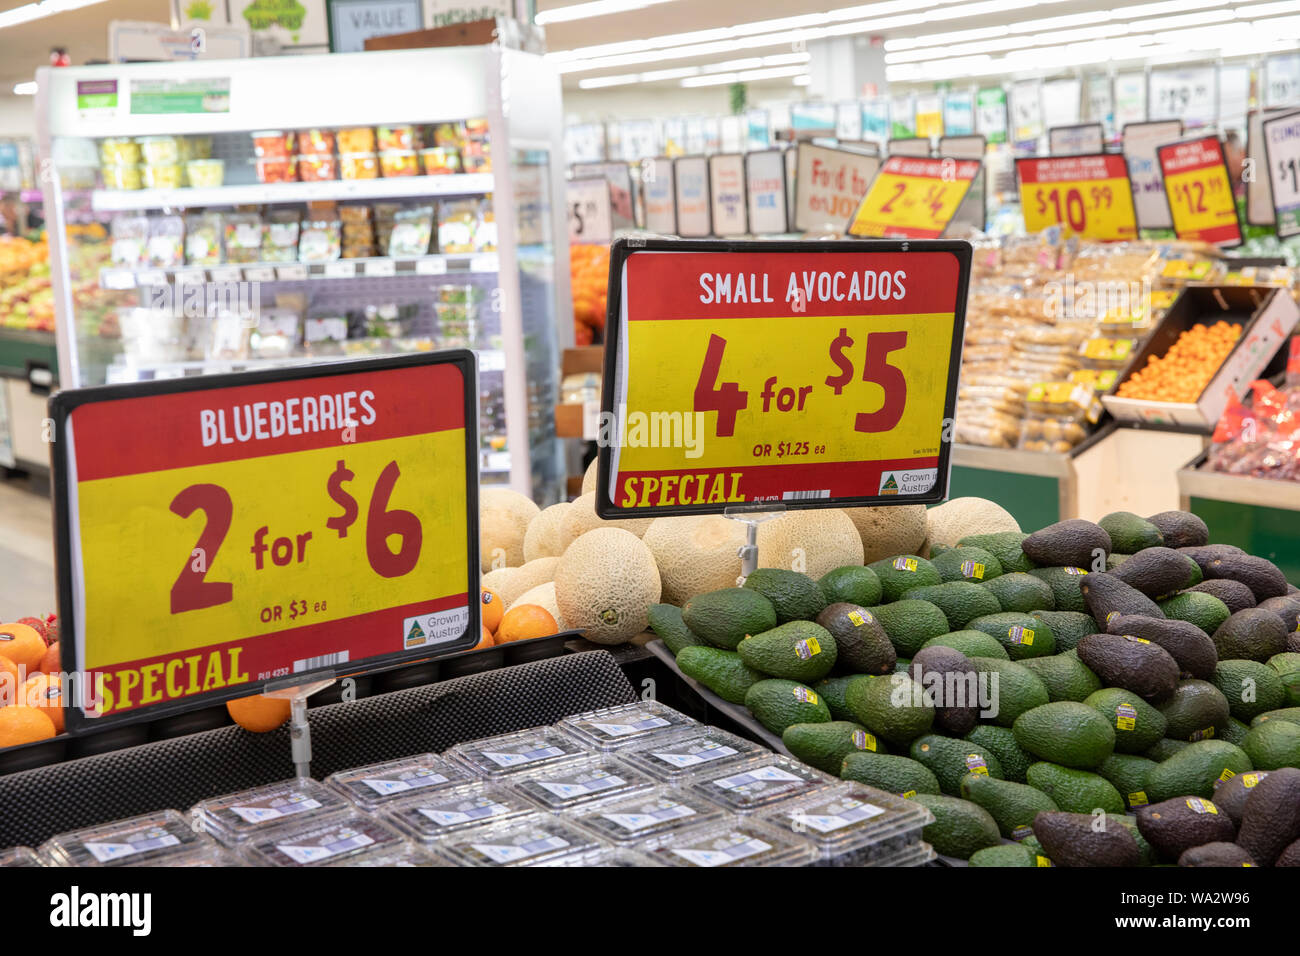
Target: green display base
column 18, row 346
column 1033, row 500
column 1269, row 533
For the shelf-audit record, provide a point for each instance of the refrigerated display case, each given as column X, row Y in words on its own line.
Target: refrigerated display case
column 287, row 210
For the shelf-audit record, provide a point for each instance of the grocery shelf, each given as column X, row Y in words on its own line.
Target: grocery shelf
column 398, row 187
column 375, row 267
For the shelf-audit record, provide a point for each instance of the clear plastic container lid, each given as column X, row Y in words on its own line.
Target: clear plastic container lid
column 733, row 842
column 914, row 854
column 757, row 784
column 380, row 784
column 494, row 757
column 431, row 816
column 525, row 842
column 149, row 839
column 849, row 818
column 20, row 856
column 400, row 854
column 322, row 840
column 207, row 855
column 676, row 757
column 636, row 819
column 237, row 817
column 616, row 728
column 571, row 784
column 609, row 856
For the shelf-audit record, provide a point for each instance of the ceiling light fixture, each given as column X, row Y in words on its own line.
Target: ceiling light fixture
column 46, row 8
column 597, row 8
column 25, row 89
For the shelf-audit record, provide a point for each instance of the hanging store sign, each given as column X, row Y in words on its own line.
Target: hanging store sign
column 829, row 185
column 1199, row 191
column 1088, row 196
column 913, row 198
column 1140, row 141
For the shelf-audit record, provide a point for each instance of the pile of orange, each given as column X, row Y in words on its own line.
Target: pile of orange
column 589, row 275
column 31, row 690
column 1181, row 374
column 522, row 622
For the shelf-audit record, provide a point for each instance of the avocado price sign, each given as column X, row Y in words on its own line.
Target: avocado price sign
column 217, row 533
column 1088, row 196
column 806, row 374
column 913, row 198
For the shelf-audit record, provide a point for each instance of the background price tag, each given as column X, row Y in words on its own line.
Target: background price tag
column 913, row 198
column 591, row 217
column 266, row 524
column 810, row 374
column 1088, row 196
column 1282, row 147
column 1199, row 191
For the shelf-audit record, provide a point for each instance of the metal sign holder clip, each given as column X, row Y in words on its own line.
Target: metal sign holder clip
column 751, row 515
column 299, row 728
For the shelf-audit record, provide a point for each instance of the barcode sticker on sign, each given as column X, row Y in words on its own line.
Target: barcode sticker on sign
column 324, row 660
column 804, row 495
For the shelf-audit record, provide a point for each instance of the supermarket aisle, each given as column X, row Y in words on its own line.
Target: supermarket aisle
column 26, row 552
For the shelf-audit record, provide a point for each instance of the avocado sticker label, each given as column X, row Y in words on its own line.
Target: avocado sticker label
column 1075, row 571
column 807, row 649
column 863, row 740
column 1250, row 779
column 860, row 618
column 1111, row 616
column 904, row 564
column 1020, row 635
column 1138, row 798
column 1042, row 861
column 1199, row 805
column 1125, row 717
column 975, row 764
column 1022, row 831
column 908, row 794
column 1135, row 640
column 1204, row 734
column 972, row 569
column 1226, row 775
column 805, row 695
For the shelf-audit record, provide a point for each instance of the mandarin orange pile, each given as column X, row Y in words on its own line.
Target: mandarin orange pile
column 589, row 274
column 1182, row 373
column 31, row 691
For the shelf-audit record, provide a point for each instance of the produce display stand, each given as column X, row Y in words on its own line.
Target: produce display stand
column 28, row 373
column 1259, row 515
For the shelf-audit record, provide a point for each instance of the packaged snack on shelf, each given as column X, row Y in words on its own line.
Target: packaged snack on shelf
column 381, row 784
column 130, row 235
column 314, row 168
column 238, row 817
column 439, row 160
column 356, row 139
column 616, row 728
column 205, row 173
column 411, row 233
column 154, row 838
column 1045, row 433
column 429, row 816
column 568, row 786
column 119, row 151
column 319, row 842
column 398, row 162
column 166, row 242
column 388, row 321
column 525, row 842
column 1176, row 271
column 1033, row 256
column 162, row 177
column 277, row 169
column 732, row 842
column 228, row 335
column 322, row 333
column 157, row 336
column 358, row 166
column 475, row 154
column 457, row 308
column 398, row 137
column 485, row 231
column 457, row 220
column 280, row 233
column 449, row 134
column 1099, row 380
column 320, row 240
column 355, row 215
column 194, row 147
column 1259, row 275
column 276, row 334
column 243, row 237
column 159, row 150
column 272, row 144
column 315, row 142
column 1059, row 399
column 1106, row 353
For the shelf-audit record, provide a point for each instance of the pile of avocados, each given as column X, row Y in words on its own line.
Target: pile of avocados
column 1120, row 693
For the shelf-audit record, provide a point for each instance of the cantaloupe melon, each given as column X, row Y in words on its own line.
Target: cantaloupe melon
column 582, row 517
column 543, row 596
column 509, row 583
column 544, row 537
column 504, row 516
column 589, row 477
column 695, row 554
column 605, row 583
column 953, row 520
column 889, row 531
column 811, row 542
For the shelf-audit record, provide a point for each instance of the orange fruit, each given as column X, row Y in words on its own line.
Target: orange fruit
column 50, row 663
column 22, row 644
column 22, row 725
column 485, row 640
column 44, row 692
column 258, row 713
column 9, row 683
column 493, row 608
column 524, row 622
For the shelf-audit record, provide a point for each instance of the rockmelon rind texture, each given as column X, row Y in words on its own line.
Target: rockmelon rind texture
column 589, row 477
column 509, row 583
column 811, row 542
column 889, row 531
column 543, row 596
column 503, row 516
column 604, row 584
column 581, row 518
column 545, row 535
column 695, row 554
column 961, row 517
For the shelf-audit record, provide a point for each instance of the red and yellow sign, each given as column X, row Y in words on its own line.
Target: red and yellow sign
column 913, row 197
column 1199, row 191
column 237, row 535
column 782, row 376
column 1088, row 196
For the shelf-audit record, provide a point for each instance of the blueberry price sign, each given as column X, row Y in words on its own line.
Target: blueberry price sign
column 300, row 521
column 810, row 374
